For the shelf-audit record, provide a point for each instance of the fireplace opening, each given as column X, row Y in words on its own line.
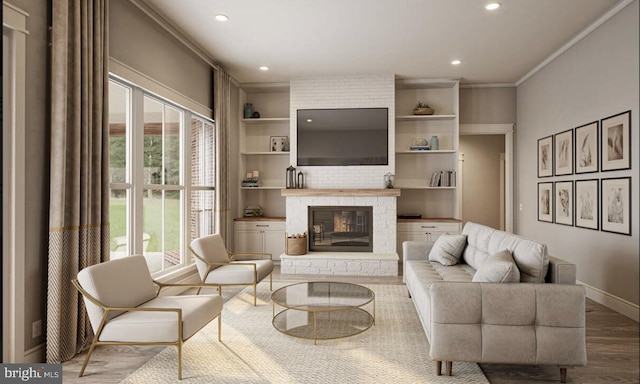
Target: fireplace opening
column 340, row 229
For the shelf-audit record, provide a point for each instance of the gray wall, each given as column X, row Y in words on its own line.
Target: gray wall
column 481, row 178
column 596, row 78
column 491, row 105
column 139, row 42
column 36, row 154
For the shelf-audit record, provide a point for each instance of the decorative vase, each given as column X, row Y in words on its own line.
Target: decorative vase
column 435, row 143
column 248, row 110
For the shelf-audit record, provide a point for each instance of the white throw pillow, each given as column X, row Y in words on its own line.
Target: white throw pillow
column 498, row 268
column 447, row 249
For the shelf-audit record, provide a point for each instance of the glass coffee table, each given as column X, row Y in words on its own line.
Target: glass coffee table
column 323, row 310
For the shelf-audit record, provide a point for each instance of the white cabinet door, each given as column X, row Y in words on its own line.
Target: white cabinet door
column 424, row 231
column 248, row 241
column 274, row 243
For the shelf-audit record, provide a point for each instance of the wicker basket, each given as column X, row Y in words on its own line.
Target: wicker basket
column 295, row 245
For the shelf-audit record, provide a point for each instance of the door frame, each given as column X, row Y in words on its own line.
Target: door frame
column 508, row 130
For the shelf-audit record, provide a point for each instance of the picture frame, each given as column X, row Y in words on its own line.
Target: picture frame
column 545, row 202
column 587, row 204
column 279, row 144
column 615, row 142
column 563, row 202
column 616, row 205
column 586, row 148
column 563, row 153
column 545, row 156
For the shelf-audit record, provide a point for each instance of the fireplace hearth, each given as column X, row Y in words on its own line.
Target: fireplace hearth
column 340, row 228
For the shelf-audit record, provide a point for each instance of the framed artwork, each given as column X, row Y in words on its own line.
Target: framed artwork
column 616, row 205
column 563, row 150
column 279, row 144
column 587, row 205
column 586, row 149
column 615, row 142
column 563, row 202
column 545, row 202
column 545, row 156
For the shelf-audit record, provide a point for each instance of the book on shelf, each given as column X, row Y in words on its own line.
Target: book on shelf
column 253, row 182
column 443, row 179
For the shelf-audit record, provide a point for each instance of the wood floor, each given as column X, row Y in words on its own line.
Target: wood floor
column 613, row 350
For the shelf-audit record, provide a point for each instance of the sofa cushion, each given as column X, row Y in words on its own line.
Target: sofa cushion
column 498, row 268
column 447, row 249
column 530, row 256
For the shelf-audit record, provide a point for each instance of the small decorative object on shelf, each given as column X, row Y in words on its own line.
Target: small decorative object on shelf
column 291, row 177
column 255, row 115
column 300, row 182
column 419, row 144
column 248, row 110
column 435, row 143
column 253, row 211
column 296, row 245
column 388, row 180
column 422, row 109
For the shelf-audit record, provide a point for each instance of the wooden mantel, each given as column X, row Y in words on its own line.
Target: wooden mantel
column 392, row 192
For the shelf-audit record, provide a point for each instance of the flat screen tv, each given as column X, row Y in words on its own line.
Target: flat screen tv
column 345, row 136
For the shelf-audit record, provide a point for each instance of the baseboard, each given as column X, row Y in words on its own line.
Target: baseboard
column 35, row 354
column 613, row 302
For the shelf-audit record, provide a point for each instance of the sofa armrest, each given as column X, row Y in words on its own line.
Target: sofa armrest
column 414, row 250
column 560, row 271
column 526, row 323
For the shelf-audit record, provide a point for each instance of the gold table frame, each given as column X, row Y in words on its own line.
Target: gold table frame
column 341, row 302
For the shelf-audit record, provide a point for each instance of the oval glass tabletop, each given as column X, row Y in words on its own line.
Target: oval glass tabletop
column 323, row 310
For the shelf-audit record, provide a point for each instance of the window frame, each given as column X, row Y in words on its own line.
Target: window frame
column 135, row 171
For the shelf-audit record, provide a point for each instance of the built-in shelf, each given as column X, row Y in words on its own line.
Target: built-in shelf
column 425, row 117
column 266, row 120
column 427, row 152
column 341, row 192
column 265, row 153
column 259, row 218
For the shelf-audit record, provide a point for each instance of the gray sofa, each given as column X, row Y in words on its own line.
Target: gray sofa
column 538, row 318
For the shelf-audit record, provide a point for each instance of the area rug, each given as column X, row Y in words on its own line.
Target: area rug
column 394, row 350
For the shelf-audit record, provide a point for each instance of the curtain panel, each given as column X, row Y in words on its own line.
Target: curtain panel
column 79, row 197
column 222, row 114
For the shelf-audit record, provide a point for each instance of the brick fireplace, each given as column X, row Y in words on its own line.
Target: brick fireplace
column 382, row 260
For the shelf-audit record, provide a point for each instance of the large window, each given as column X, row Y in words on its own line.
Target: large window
column 159, row 200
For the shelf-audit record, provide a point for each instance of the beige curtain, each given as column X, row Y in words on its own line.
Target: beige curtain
column 78, row 216
column 222, row 115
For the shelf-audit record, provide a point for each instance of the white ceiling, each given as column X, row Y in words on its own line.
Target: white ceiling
column 409, row 38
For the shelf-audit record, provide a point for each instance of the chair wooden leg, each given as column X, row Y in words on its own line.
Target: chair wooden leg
column 86, row 359
column 563, row 375
column 449, row 367
column 270, row 282
column 220, row 327
column 179, row 360
column 255, row 294
column 438, row 367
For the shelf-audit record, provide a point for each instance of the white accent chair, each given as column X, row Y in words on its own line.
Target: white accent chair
column 125, row 307
column 219, row 267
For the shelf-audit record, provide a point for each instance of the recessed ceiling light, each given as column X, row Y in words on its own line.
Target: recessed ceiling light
column 264, row 68
column 456, row 62
column 221, row 17
column 309, row 121
column 492, row 6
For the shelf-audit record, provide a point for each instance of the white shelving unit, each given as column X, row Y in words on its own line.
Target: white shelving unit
column 414, row 168
column 254, row 154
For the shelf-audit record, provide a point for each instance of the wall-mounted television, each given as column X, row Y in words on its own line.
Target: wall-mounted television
column 344, row 136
